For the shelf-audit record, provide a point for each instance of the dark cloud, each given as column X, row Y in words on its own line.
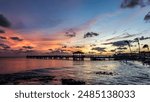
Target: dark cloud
column 24, row 52
column 2, row 37
column 122, row 48
column 27, row 47
column 114, row 50
column 2, row 31
column 121, row 43
column 147, row 17
column 50, row 49
column 109, row 43
column 127, row 35
column 58, row 51
column 92, row 45
column 4, row 46
column 134, row 3
column 78, row 46
column 129, row 3
column 64, row 46
column 90, row 34
column 141, row 38
column 16, row 38
column 122, row 36
column 100, row 49
column 70, row 33
column 17, row 51
column 4, row 22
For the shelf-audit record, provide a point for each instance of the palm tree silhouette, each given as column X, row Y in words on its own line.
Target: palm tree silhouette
column 129, row 45
column 146, row 46
column 138, row 41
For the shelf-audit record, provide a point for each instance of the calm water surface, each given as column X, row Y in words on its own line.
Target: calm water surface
column 31, row 71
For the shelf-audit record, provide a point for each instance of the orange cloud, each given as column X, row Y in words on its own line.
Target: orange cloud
column 14, row 44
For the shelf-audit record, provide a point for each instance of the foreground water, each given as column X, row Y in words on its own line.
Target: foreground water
column 35, row 71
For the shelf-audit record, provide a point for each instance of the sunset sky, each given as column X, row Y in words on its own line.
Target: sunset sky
column 63, row 26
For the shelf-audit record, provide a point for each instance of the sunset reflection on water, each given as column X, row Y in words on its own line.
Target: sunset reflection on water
column 91, row 72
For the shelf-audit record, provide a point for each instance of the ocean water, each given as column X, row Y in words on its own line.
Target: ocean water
column 54, row 72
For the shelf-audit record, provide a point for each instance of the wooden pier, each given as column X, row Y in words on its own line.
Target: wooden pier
column 80, row 56
column 71, row 57
column 76, row 56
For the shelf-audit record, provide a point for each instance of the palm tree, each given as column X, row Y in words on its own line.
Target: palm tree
column 146, row 46
column 129, row 45
column 138, row 41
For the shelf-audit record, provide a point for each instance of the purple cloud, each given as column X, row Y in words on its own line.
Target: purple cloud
column 100, row 49
column 27, row 47
column 4, row 46
column 2, row 37
column 90, row 34
column 4, row 21
column 16, row 38
column 70, row 33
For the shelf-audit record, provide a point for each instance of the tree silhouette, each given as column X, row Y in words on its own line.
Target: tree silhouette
column 146, row 46
column 129, row 45
column 138, row 41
